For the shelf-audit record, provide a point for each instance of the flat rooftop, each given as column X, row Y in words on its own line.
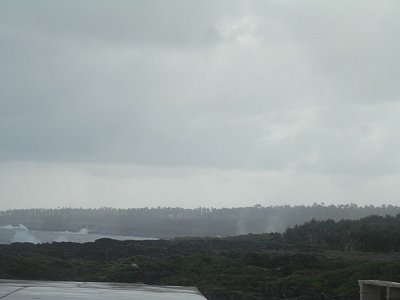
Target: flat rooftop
column 378, row 283
column 52, row 290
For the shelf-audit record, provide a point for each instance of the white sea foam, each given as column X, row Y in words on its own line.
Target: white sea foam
column 24, row 236
column 20, row 226
column 83, row 231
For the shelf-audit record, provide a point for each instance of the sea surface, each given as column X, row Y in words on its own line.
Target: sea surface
column 21, row 234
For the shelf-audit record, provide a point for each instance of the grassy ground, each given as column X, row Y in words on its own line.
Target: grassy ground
column 246, row 267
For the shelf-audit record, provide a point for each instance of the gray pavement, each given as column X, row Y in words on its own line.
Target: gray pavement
column 51, row 290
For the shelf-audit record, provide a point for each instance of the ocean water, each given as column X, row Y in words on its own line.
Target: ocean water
column 21, row 234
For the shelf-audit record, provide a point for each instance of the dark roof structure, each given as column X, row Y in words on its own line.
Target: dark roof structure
column 52, row 290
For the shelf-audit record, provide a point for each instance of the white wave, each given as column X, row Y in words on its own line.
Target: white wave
column 20, row 226
column 23, row 236
column 83, row 231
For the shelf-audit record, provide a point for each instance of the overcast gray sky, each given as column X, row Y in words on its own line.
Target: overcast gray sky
column 199, row 103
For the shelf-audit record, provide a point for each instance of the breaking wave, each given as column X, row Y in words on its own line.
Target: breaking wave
column 83, row 231
column 18, row 234
column 20, row 226
column 22, row 234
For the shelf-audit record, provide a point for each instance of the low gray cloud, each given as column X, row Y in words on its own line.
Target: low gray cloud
column 303, row 88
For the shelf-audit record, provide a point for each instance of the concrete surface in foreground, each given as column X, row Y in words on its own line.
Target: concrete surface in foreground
column 51, row 290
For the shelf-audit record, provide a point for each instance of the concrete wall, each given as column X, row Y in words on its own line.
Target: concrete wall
column 379, row 290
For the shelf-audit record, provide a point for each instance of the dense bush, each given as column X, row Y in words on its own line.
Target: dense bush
column 242, row 267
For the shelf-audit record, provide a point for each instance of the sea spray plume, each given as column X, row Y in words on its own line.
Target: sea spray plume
column 244, row 215
column 274, row 224
column 61, row 238
column 22, row 235
column 83, row 230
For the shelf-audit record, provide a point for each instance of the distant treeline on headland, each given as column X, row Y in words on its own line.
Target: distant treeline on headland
column 168, row 222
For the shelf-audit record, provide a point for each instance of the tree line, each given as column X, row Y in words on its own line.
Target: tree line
column 175, row 222
column 372, row 233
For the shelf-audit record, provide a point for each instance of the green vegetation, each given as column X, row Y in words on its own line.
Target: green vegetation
column 312, row 261
column 373, row 233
